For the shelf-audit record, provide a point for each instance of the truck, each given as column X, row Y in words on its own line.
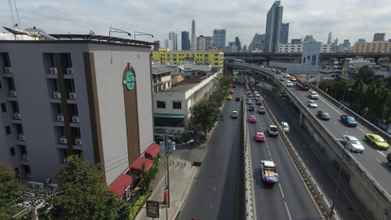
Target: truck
column 269, row 173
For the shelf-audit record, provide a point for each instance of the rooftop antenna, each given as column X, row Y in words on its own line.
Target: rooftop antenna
column 15, row 19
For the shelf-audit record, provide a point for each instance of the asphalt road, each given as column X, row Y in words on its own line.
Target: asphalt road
column 372, row 160
column 305, row 145
column 289, row 199
column 217, row 192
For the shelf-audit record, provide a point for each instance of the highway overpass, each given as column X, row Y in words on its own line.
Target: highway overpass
column 366, row 174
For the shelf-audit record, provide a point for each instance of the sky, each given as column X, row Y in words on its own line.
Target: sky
column 346, row 19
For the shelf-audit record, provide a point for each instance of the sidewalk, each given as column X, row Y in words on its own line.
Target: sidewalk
column 181, row 178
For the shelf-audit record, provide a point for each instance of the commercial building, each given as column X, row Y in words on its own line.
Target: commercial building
column 172, row 107
column 296, row 41
column 257, row 43
column 204, row 42
column 273, row 27
column 219, row 38
column 214, row 58
column 172, row 41
column 88, row 95
column 298, row 48
column 379, row 37
column 372, row 47
column 185, row 40
column 193, row 36
column 284, row 33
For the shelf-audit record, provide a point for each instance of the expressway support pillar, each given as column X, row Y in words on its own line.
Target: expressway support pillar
column 301, row 118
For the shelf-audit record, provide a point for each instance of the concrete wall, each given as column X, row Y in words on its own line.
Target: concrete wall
column 34, row 101
column 109, row 76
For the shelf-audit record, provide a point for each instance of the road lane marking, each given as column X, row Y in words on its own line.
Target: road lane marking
column 287, row 210
column 281, row 191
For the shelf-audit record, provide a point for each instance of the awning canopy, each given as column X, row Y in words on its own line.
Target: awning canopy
column 141, row 164
column 120, row 184
column 152, row 151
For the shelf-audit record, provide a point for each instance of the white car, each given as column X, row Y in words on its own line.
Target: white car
column 353, row 144
column 312, row 92
column 285, row 126
column 314, row 96
column 289, row 84
column 312, row 104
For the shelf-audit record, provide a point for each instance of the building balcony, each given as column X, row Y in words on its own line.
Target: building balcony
column 21, row 138
column 17, row 116
column 63, row 140
column 12, row 93
column 68, row 73
column 60, row 118
column 52, row 72
column 75, row 119
column 7, row 71
column 56, row 96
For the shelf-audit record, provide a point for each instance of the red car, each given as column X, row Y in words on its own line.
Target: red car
column 252, row 119
column 259, row 136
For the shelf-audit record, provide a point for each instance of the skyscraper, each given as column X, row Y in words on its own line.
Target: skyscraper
column 258, row 42
column 284, row 33
column 193, row 36
column 219, row 38
column 204, row 42
column 238, row 44
column 273, row 27
column 185, row 40
column 329, row 38
column 173, row 41
column 379, row 37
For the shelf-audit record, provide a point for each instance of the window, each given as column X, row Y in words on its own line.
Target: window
column 8, row 130
column 177, row 105
column 12, row 151
column 3, row 107
column 161, row 104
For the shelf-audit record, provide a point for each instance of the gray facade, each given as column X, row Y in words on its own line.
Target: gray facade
column 47, row 88
column 258, row 42
column 173, row 41
column 185, row 40
column 273, row 27
column 219, row 38
column 193, row 36
column 284, row 33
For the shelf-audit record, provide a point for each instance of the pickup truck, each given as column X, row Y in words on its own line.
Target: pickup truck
column 269, row 173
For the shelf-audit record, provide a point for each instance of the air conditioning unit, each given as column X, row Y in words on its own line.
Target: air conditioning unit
column 63, row 140
column 7, row 69
column 60, row 118
column 12, row 93
column 77, row 141
column 72, row 95
column 75, row 119
column 53, row 71
column 21, row 137
column 56, row 95
column 17, row 116
column 68, row 71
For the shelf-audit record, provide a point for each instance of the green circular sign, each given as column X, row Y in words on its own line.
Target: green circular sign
column 129, row 80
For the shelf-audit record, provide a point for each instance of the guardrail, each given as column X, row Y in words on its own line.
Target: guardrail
column 359, row 118
column 322, row 203
column 250, row 208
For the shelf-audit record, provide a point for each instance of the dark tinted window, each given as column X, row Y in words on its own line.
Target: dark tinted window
column 177, row 105
column 161, row 104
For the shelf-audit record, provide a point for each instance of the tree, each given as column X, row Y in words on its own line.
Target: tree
column 203, row 116
column 83, row 194
column 365, row 74
column 10, row 190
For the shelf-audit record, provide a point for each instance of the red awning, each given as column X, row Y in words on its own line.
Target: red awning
column 120, row 184
column 152, row 151
column 141, row 163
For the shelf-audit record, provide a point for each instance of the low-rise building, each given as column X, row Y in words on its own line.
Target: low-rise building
column 372, row 47
column 210, row 57
column 298, row 48
column 172, row 107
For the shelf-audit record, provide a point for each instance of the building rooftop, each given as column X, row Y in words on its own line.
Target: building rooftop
column 75, row 38
column 158, row 69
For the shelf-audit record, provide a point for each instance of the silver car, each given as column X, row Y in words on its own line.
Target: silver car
column 353, row 144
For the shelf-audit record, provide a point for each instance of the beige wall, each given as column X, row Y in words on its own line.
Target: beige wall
column 109, row 73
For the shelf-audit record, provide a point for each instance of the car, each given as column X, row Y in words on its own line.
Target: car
column 272, row 131
column 229, row 97
column 312, row 104
column 259, row 136
column 290, row 84
column 353, row 144
column 261, row 110
column 251, row 108
column 252, row 119
column 323, row 115
column 285, row 126
column 377, row 141
column 348, row 120
column 237, row 99
column 269, row 173
column 234, row 114
column 258, row 102
column 313, row 96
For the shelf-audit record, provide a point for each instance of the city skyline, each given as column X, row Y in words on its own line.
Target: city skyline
column 55, row 17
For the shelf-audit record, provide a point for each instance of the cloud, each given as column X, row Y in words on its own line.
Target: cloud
column 347, row 19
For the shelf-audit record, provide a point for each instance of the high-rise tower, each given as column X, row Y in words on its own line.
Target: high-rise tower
column 273, row 27
column 193, row 36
